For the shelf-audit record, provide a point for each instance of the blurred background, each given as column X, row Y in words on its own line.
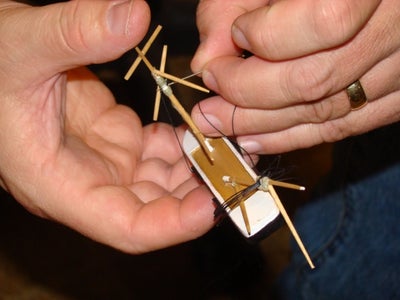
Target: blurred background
column 40, row 259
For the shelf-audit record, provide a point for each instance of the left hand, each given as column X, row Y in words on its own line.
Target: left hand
column 68, row 151
column 290, row 94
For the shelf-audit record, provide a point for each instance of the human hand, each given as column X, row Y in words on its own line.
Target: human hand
column 71, row 154
column 291, row 93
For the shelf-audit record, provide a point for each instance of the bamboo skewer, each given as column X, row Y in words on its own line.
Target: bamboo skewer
column 290, row 225
column 158, row 93
column 245, row 216
column 195, row 130
column 144, row 51
column 286, row 185
column 169, row 76
column 145, row 60
column 181, row 81
column 161, row 82
column 242, row 205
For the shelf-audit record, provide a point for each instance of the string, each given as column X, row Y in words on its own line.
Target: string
column 233, row 139
column 233, row 121
column 209, row 122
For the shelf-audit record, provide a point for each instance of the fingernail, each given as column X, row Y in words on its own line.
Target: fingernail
column 197, row 63
column 209, row 80
column 239, row 38
column 213, row 122
column 118, row 17
column 208, row 123
column 250, row 146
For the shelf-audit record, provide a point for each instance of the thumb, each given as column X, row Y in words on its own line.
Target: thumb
column 50, row 39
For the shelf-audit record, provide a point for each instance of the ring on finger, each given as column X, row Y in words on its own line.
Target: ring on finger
column 356, row 95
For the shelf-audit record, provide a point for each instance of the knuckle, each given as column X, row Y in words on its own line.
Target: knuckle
column 264, row 40
column 71, row 28
column 321, row 111
column 267, row 46
column 232, row 89
column 247, row 122
column 335, row 131
column 308, row 80
column 262, row 37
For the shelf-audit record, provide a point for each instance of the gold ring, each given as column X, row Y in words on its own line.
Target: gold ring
column 356, row 95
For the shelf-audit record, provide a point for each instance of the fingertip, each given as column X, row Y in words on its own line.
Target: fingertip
column 199, row 60
column 77, row 33
column 198, row 212
column 139, row 20
column 207, row 121
column 210, row 80
column 251, row 146
column 124, row 17
column 127, row 22
column 239, row 38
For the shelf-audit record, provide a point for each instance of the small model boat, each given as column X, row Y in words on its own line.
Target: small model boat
column 250, row 200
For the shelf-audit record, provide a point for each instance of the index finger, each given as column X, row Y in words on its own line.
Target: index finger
column 214, row 22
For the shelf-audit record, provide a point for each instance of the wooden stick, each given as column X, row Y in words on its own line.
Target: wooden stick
column 245, row 216
column 144, row 51
column 158, row 93
column 178, row 106
column 242, row 205
column 188, row 120
column 286, row 185
column 169, row 76
column 234, row 182
column 145, row 60
column 290, row 225
column 181, row 81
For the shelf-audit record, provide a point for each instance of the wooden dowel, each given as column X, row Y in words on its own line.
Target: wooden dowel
column 188, row 120
column 286, row 185
column 178, row 106
column 234, row 181
column 245, row 216
column 145, row 60
column 290, row 225
column 182, row 81
column 158, row 93
column 157, row 104
column 169, row 76
column 144, row 51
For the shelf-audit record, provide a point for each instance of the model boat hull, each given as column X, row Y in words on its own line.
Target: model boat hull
column 262, row 212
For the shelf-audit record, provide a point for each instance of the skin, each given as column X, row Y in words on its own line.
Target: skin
column 291, row 93
column 68, row 151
